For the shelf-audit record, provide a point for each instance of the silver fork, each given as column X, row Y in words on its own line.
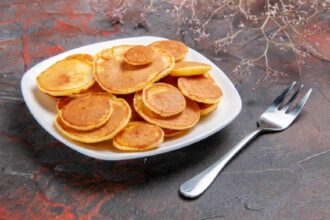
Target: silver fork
column 276, row 118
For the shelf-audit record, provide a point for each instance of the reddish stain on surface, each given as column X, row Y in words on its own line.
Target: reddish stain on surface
column 33, row 45
column 9, row 21
column 81, row 27
column 66, row 214
column 27, row 204
column 8, row 42
column 45, row 27
column 81, row 197
column 96, row 209
column 49, row 50
column 5, row 215
column 25, row 52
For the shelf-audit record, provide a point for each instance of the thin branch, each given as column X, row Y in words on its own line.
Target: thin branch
column 283, row 17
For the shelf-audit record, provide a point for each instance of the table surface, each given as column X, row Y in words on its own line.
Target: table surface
column 279, row 176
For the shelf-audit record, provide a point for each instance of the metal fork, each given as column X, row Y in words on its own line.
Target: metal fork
column 276, row 118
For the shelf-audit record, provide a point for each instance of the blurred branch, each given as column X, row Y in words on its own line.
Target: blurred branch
column 283, row 16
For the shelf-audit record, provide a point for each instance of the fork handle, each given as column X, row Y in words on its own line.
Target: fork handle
column 199, row 183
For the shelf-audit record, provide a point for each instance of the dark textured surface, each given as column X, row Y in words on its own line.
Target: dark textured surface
column 280, row 176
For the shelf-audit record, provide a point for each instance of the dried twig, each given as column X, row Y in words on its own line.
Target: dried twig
column 283, row 16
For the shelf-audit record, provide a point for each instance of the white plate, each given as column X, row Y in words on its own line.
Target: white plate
column 43, row 108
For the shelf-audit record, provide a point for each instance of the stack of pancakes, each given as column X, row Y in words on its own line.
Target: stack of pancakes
column 133, row 94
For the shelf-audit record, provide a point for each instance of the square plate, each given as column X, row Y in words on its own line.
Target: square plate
column 43, row 107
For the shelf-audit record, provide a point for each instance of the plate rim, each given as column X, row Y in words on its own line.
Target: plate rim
column 132, row 155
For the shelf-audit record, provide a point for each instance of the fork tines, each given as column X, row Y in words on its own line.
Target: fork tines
column 280, row 104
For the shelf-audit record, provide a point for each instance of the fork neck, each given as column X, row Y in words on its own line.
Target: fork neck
column 259, row 130
column 251, row 136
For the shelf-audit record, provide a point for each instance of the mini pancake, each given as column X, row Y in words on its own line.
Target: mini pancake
column 87, row 112
column 163, row 99
column 81, row 56
column 139, row 55
column 172, row 133
column 117, row 121
column 207, row 108
column 66, row 99
column 62, row 102
column 66, row 77
column 176, row 48
column 116, row 76
column 184, row 120
column 139, row 136
column 189, row 68
column 200, row 88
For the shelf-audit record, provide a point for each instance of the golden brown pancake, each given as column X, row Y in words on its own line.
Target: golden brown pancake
column 116, row 76
column 66, row 77
column 189, row 68
column 176, row 48
column 87, row 112
column 139, row 55
column 118, row 120
column 201, row 88
column 138, row 136
column 163, row 99
column 62, row 102
column 207, row 108
column 66, row 99
column 172, row 133
column 81, row 56
column 184, row 120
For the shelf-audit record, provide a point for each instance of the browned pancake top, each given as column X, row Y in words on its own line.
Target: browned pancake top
column 201, row 88
column 139, row 55
column 86, row 111
column 139, row 135
column 163, row 99
column 186, row 119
